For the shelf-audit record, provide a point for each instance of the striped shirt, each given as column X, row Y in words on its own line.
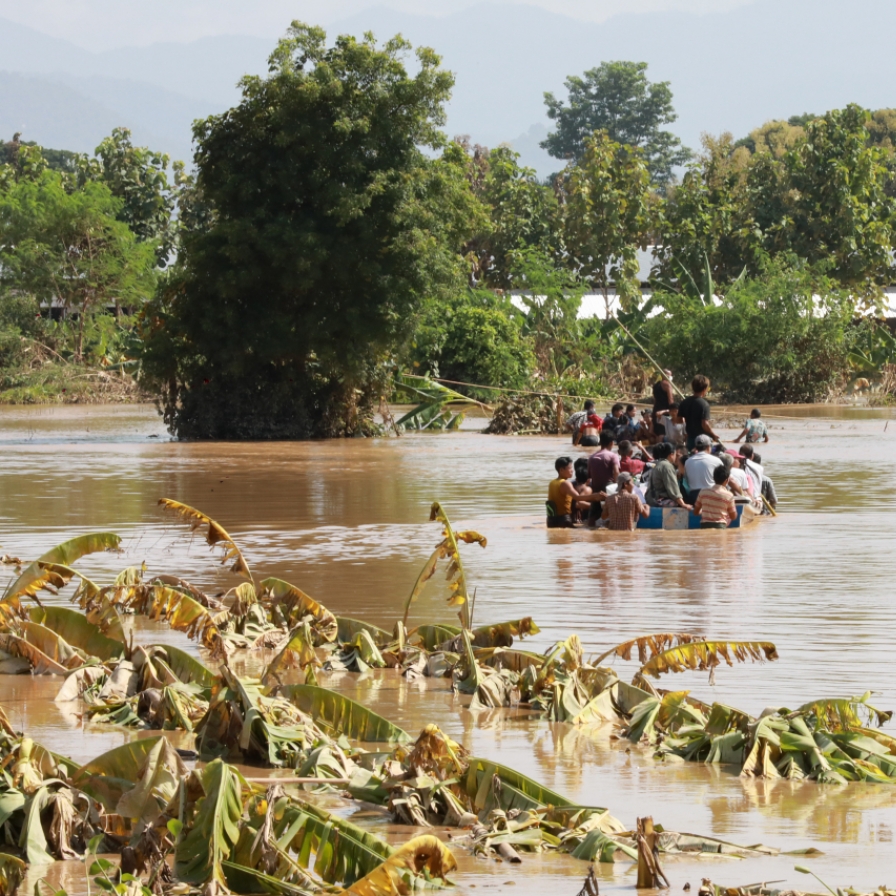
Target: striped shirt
column 715, row 504
column 624, row 509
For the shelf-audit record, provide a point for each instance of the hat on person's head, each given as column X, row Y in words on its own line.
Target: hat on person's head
column 622, row 478
column 702, row 441
column 734, row 454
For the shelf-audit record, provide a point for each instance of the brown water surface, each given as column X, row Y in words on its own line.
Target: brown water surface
column 345, row 522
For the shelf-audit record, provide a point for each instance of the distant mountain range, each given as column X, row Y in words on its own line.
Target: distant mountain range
column 730, row 70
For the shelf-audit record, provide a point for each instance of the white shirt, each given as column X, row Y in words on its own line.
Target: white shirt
column 698, row 468
column 756, row 472
column 674, row 431
column 738, row 476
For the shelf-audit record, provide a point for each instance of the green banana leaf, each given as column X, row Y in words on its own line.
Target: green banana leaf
column 64, row 554
column 211, row 834
column 348, row 629
column 343, row 715
column 74, row 628
column 108, row 777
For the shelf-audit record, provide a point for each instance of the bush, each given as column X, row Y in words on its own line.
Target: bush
column 18, row 318
column 783, row 336
column 476, row 341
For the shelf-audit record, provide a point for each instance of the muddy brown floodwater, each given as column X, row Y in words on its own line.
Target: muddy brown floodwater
column 346, row 521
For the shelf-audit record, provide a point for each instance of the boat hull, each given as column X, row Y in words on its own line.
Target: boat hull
column 679, row 518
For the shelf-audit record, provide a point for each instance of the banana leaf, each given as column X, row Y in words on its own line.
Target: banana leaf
column 212, row 832
column 348, row 629
column 214, row 535
column 343, row 715
column 702, row 655
column 63, row 554
column 40, row 662
column 74, row 628
column 179, row 610
column 12, row 872
column 295, row 605
column 343, row 852
column 647, row 646
column 110, row 776
column 424, row 856
column 431, row 636
column 186, row 668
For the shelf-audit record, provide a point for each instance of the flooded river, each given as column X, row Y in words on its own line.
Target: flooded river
column 346, row 522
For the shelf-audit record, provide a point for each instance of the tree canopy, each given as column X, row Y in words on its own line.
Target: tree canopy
column 328, row 227
column 617, row 98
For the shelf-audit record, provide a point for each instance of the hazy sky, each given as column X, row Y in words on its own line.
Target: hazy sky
column 102, row 24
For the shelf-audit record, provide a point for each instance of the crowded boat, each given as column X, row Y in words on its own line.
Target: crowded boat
column 662, row 467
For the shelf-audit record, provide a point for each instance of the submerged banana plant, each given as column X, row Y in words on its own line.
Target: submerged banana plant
column 448, row 549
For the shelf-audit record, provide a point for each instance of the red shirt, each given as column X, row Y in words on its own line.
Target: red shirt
column 593, row 421
column 630, row 465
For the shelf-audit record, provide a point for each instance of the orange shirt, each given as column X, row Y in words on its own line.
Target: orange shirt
column 559, row 498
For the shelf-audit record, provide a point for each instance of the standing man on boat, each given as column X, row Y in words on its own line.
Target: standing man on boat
column 695, row 413
column 663, row 399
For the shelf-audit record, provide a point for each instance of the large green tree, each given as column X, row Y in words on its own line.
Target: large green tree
column 67, row 246
column 328, row 227
column 617, row 98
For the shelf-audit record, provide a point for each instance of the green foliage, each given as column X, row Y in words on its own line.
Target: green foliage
column 476, row 339
column 767, row 339
column 820, row 189
column 329, row 228
column 607, row 215
column 617, row 98
column 515, row 212
column 67, row 246
column 139, row 178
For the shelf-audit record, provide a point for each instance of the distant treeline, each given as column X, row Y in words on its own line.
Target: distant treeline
column 332, row 237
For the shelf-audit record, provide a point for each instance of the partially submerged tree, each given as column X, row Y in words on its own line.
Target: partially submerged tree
column 329, row 226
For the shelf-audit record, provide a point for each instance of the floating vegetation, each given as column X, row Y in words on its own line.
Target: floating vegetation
column 221, row 831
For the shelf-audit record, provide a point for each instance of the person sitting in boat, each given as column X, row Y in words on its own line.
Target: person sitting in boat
column 663, row 489
column 630, row 429
column 716, row 504
column 738, row 481
column 673, row 425
column 627, row 462
column 699, row 467
column 754, row 429
column 590, row 425
column 621, row 510
column 562, row 494
column 752, row 468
